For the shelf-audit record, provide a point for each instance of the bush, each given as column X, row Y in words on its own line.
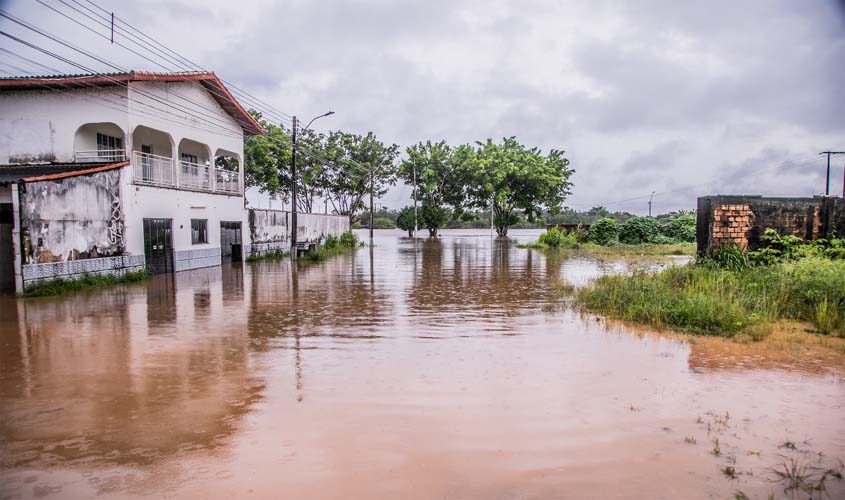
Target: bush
column 558, row 238
column 61, row 286
column 405, row 220
column 604, row 232
column 681, row 227
column 639, row 230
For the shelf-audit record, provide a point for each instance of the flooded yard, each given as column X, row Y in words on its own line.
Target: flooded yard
column 415, row 369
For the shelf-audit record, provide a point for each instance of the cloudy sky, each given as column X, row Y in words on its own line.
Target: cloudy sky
column 681, row 98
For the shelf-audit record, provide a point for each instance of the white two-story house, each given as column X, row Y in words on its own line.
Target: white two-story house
column 117, row 172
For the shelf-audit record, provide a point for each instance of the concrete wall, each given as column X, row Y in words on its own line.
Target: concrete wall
column 41, row 125
column 741, row 220
column 72, row 218
column 115, row 266
column 270, row 229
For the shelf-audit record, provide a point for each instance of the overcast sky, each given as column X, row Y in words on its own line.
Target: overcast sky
column 681, row 98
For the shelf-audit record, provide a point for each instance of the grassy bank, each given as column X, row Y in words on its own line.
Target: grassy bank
column 62, row 286
column 711, row 299
column 334, row 245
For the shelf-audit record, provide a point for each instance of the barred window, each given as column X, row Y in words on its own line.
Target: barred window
column 199, row 231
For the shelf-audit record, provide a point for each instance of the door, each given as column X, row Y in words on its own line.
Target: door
column 146, row 162
column 230, row 242
column 7, row 256
column 158, row 245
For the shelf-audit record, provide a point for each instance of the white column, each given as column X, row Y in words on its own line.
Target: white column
column 17, row 251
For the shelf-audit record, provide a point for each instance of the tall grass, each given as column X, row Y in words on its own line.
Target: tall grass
column 710, row 299
column 333, row 245
column 62, row 286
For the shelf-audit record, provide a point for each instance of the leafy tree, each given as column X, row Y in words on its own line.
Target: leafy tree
column 639, row 230
column 354, row 163
column 267, row 159
column 405, row 221
column 310, row 168
column 604, row 231
column 514, row 178
column 438, row 183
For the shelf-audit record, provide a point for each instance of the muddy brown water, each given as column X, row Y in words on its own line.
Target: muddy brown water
column 416, row 369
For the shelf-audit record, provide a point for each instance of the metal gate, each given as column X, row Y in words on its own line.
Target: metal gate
column 230, row 242
column 7, row 255
column 158, row 245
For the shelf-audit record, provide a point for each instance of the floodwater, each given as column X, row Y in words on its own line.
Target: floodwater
column 417, row 369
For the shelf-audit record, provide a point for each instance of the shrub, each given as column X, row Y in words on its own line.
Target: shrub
column 558, row 238
column 604, row 232
column 681, row 227
column 383, row 223
column 405, row 220
column 639, row 230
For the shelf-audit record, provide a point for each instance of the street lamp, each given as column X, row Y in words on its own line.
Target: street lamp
column 293, row 210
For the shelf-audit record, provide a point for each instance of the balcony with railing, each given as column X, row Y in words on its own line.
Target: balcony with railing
column 227, row 181
column 99, row 155
column 195, row 176
column 153, row 170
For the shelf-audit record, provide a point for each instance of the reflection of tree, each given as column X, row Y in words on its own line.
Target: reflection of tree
column 463, row 276
column 101, row 382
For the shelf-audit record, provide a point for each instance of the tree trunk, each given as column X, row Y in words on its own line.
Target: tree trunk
column 410, row 233
column 432, row 232
column 502, row 230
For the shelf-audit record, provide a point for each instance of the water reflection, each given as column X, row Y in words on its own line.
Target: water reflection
column 106, row 377
column 307, row 381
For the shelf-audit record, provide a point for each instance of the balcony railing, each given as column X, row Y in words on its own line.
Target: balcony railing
column 165, row 172
column 227, row 181
column 104, row 155
column 194, row 176
column 154, row 170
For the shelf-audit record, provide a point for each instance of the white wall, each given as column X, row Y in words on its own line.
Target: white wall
column 41, row 124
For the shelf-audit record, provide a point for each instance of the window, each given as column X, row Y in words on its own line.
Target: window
column 199, row 231
column 189, row 164
column 109, row 148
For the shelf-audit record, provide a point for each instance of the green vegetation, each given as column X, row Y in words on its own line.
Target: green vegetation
column 639, row 230
column 62, row 286
column 272, row 254
column 604, row 232
column 334, row 245
column 735, row 293
column 383, row 223
column 405, row 220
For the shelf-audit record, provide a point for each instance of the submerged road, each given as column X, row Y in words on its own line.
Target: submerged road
column 417, row 369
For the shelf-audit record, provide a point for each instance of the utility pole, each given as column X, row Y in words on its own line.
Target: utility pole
column 827, row 177
column 293, row 192
column 492, row 197
column 649, row 203
column 371, row 206
column 416, row 226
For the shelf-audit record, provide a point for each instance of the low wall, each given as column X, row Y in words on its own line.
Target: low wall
column 741, row 220
column 76, row 269
column 184, row 260
column 270, row 229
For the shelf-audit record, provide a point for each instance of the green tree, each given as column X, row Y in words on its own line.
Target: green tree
column 438, row 182
column 353, row 164
column 514, row 177
column 267, row 159
column 405, row 221
column 681, row 226
column 604, row 231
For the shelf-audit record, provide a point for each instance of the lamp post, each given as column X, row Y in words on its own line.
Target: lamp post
column 293, row 210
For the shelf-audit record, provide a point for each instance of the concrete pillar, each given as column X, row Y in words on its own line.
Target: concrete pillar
column 17, row 250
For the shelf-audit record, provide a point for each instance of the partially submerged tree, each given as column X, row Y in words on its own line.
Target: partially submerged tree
column 512, row 177
column 438, row 183
column 405, row 221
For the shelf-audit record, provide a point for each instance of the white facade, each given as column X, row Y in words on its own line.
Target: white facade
column 150, row 124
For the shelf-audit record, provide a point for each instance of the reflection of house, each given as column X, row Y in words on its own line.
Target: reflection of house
column 108, row 173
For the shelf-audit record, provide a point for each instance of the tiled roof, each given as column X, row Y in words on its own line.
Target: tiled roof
column 208, row 80
column 49, row 171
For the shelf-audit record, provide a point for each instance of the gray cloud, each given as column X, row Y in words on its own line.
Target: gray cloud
column 682, row 98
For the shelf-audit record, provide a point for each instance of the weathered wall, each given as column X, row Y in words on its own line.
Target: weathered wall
column 270, row 229
column 72, row 218
column 77, row 269
column 741, row 220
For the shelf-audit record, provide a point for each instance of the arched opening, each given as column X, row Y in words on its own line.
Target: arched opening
column 152, row 157
column 227, row 168
column 194, row 165
column 99, row 142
